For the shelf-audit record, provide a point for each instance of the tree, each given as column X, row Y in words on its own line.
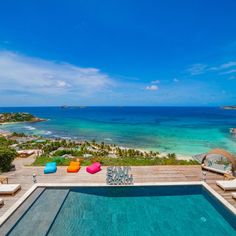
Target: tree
column 7, row 156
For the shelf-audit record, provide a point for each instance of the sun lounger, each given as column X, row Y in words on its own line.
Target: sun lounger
column 73, row 167
column 234, row 195
column 94, row 168
column 1, row 202
column 227, row 184
column 51, row 167
column 9, row 188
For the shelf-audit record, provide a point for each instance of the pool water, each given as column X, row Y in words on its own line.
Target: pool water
column 175, row 210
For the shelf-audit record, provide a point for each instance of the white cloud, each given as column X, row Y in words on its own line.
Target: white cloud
column 152, row 88
column 197, row 69
column 155, row 82
column 33, row 75
column 223, row 66
column 62, row 84
column 228, row 65
column 229, row 72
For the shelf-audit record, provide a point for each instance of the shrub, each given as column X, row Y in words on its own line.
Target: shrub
column 5, row 142
column 7, row 156
column 15, row 134
column 59, row 160
column 71, row 152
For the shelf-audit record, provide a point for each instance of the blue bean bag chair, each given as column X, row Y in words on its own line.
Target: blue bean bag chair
column 51, row 167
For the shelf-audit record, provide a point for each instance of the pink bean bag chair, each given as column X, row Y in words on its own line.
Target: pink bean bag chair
column 94, row 168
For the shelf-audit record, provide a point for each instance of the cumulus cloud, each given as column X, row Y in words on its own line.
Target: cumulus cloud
column 33, row 75
column 152, row 88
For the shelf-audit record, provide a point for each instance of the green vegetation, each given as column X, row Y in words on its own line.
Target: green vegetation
column 17, row 117
column 30, row 145
column 54, row 145
column 14, row 134
column 142, row 161
column 72, row 152
column 89, row 152
column 107, row 161
column 7, row 154
column 229, row 107
column 42, row 160
column 101, row 153
column 6, row 142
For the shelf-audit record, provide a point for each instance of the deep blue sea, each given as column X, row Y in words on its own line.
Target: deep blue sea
column 183, row 130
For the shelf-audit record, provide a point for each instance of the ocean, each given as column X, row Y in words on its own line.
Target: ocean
column 182, row 130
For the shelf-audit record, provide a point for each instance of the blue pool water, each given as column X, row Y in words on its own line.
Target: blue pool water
column 163, row 211
column 183, row 130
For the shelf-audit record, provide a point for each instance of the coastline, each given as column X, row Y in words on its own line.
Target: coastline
column 162, row 154
column 184, row 131
column 22, row 122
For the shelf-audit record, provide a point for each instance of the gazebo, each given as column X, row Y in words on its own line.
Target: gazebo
column 220, row 161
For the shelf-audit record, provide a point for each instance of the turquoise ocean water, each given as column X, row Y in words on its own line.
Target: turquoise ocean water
column 183, row 130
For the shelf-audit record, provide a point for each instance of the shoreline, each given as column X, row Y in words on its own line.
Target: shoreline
column 21, row 122
column 162, row 154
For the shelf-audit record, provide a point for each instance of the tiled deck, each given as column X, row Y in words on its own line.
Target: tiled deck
column 23, row 176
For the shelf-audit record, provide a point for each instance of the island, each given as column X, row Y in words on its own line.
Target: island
column 16, row 117
column 229, row 107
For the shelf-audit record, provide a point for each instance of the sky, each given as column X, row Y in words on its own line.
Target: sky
column 124, row 53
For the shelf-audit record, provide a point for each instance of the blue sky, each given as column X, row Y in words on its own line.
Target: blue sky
column 126, row 52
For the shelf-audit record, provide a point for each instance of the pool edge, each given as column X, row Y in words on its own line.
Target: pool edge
column 15, row 206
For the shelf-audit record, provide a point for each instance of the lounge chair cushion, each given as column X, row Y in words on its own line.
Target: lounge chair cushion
column 9, row 188
column 51, row 167
column 227, row 184
column 98, row 164
column 94, row 168
column 73, row 167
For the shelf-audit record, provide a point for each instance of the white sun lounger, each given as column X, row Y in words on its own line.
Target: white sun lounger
column 234, row 195
column 227, row 184
column 9, row 188
column 1, row 201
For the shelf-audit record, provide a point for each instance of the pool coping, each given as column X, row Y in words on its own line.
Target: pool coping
column 15, row 206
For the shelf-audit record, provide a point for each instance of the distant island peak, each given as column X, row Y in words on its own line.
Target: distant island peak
column 14, row 117
column 229, row 107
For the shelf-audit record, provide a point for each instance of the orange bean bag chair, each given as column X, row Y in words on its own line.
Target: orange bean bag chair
column 73, row 167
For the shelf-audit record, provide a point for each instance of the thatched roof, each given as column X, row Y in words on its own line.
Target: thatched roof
column 230, row 157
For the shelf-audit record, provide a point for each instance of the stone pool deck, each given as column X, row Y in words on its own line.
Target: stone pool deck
column 141, row 174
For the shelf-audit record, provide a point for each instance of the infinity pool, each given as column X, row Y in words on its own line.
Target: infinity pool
column 148, row 210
